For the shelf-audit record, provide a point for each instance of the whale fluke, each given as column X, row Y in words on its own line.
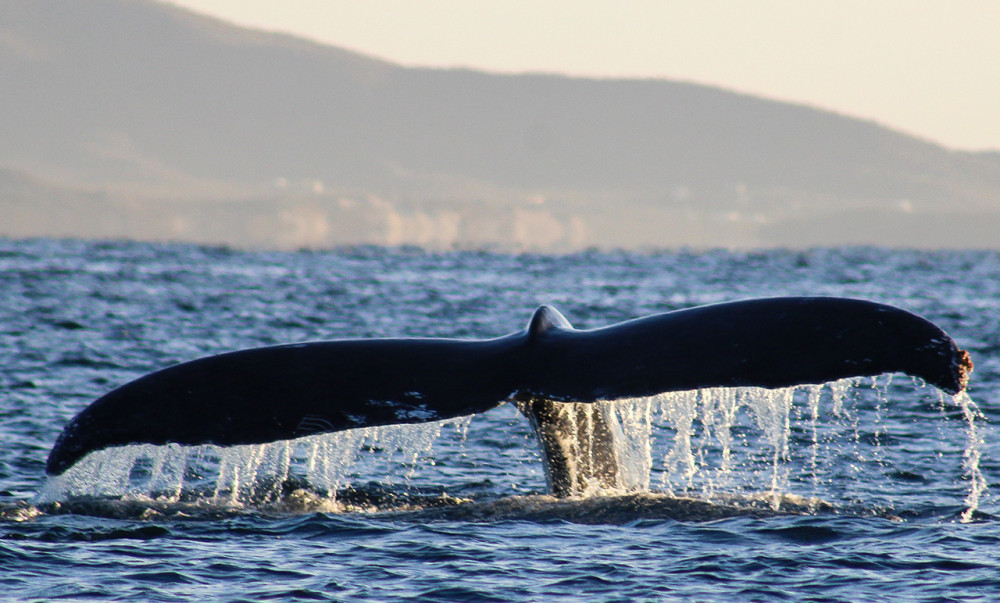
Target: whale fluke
column 283, row 392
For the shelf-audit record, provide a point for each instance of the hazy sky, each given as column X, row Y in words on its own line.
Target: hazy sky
column 927, row 68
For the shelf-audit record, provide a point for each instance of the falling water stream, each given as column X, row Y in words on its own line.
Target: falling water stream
column 715, row 445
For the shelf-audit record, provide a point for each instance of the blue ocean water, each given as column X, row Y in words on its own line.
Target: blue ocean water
column 868, row 490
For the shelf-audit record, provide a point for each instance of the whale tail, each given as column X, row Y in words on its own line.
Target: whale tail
column 283, row 392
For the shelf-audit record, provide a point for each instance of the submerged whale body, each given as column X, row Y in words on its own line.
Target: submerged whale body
column 282, row 392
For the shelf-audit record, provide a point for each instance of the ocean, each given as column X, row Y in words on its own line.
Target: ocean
column 862, row 490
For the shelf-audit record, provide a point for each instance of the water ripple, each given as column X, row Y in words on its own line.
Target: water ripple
column 879, row 503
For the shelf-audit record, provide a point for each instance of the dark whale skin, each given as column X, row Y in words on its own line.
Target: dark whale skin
column 282, row 392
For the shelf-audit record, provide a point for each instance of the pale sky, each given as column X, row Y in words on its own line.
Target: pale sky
column 928, row 68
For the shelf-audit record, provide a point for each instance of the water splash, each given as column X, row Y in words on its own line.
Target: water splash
column 715, row 442
column 798, row 445
column 701, row 455
column 972, row 453
column 251, row 475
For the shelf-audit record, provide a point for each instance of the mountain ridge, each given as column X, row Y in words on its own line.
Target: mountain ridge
column 149, row 101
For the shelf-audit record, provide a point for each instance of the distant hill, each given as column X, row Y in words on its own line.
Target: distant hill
column 169, row 120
